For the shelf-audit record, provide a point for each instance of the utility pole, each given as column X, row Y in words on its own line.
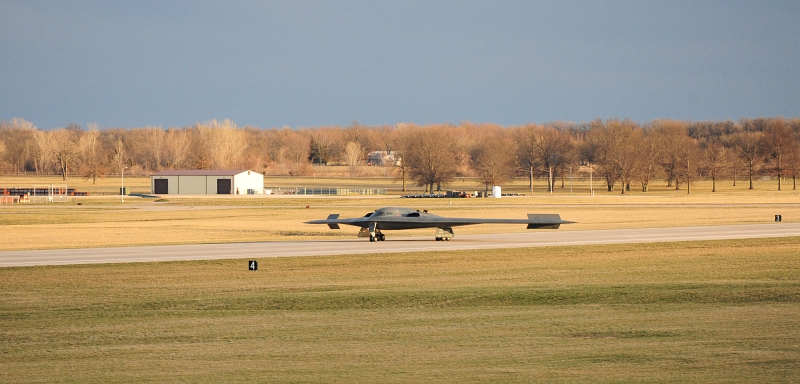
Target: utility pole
column 530, row 172
column 688, row 188
column 531, row 180
column 122, row 190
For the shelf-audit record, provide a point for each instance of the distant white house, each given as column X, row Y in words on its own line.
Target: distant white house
column 207, row 182
column 381, row 158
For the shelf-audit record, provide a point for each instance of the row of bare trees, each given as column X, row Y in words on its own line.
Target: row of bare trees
column 623, row 152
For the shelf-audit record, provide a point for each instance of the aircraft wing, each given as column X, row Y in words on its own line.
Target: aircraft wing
column 534, row 221
column 333, row 221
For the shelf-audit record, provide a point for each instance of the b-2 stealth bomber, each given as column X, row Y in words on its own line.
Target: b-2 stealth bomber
column 393, row 218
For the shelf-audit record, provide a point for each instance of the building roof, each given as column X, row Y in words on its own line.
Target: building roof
column 200, row 172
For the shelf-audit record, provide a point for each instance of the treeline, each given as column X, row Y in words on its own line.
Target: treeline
column 624, row 153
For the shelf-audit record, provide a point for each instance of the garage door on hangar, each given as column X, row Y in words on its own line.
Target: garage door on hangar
column 161, row 186
column 224, row 186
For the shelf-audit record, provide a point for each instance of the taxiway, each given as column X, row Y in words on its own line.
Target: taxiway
column 394, row 243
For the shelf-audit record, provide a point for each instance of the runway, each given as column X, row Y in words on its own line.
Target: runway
column 393, row 244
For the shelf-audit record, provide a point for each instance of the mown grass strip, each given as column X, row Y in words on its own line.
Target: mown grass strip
column 696, row 312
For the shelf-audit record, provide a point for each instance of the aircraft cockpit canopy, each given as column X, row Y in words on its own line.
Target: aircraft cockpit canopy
column 395, row 212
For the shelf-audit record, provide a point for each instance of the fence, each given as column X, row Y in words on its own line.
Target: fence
column 52, row 193
column 329, row 191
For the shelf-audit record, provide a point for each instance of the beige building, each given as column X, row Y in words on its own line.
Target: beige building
column 207, row 182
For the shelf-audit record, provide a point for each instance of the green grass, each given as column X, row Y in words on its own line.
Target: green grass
column 723, row 311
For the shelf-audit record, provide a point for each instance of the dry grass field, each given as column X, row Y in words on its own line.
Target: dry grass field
column 376, row 177
column 149, row 223
column 724, row 311
column 103, row 221
column 689, row 312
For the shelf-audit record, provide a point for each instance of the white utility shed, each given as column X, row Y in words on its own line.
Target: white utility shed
column 207, row 182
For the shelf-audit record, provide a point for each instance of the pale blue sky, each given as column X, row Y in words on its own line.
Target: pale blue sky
column 314, row 63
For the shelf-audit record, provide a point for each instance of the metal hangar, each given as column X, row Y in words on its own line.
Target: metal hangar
column 207, row 182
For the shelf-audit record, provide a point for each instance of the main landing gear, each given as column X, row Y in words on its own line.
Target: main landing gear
column 374, row 235
column 378, row 237
column 444, row 234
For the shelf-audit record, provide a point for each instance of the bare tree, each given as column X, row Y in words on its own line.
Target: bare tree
column 65, row 148
column 353, row 155
column 735, row 166
column 430, row 155
column 625, row 136
column 687, row 156
column 714, row 160
column 176, row 147
column 673, row 138
column 648, row 153
column 202, row 152
column 322, row 145
column 91, row 159
column 118, row 154
column 758, row 124
column 794, row 151
column 217, row 144
column 386, row 139
column 360, row 134
column 543, row 148
column 2, row 151
column 493, row 160
column 605, row 147
column 404, row 140
column 793, row 159
column 778, row 143
column 295, row 148
column 526, row 153
column 749, row 146
column 19, row 146
column 255, row 156
column 288, row 151
column 44, row 151
column 229, row 143
column 154, row 139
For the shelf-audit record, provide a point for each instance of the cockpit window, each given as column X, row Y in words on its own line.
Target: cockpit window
column 390, row 212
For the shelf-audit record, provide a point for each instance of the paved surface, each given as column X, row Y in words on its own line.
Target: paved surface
column 532, row 238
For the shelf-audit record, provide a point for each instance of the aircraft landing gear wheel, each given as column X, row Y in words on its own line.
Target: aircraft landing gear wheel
column 381, row 237
column 446, row 239
column 438, row 239
column 372, row 239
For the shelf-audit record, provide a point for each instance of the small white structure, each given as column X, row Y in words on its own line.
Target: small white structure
column 207, row 182
column 496, row 192
column 381, row 158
